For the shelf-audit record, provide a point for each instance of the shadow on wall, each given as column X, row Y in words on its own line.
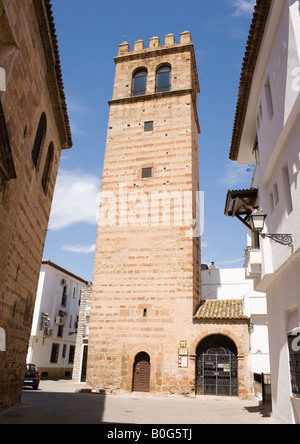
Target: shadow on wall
column 210, row 281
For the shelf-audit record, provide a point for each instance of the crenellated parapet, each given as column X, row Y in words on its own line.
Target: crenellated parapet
column 154, row 44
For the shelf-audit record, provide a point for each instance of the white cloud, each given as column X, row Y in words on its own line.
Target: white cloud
column 243, row 7
column 78, row 108
column 78, row 131
column 79, row 248
column 76, row 199
column 235, row 175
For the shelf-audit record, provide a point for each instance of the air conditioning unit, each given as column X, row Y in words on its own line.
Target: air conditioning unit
column 63, row 282
column 59, row 320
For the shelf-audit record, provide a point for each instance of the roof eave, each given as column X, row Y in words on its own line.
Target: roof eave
column 257, row 30
column 45, row 20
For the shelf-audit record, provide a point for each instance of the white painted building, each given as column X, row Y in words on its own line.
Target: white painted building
column 221, row 284
column 267, row 133
column 54, row 328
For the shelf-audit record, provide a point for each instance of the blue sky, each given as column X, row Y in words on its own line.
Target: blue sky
column 89, row 34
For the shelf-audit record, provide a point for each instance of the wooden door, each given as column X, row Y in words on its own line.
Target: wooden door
column 141, row 373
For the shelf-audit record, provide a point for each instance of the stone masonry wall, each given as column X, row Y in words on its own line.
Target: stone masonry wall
column 24, row 205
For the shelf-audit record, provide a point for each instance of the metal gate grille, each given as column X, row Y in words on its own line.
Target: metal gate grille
column 141, row 373
column 217, row 372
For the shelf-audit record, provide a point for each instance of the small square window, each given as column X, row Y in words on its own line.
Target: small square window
column 148, row 126
column 146, row 172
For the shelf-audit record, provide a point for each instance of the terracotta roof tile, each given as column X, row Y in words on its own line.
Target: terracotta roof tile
column 256, row 33
column 221, row 309
column 46, row 23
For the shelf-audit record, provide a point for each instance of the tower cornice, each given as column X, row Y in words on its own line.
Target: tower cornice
column 145, row 97
column 157, row 96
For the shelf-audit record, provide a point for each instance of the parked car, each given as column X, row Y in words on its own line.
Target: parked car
column 32, row 377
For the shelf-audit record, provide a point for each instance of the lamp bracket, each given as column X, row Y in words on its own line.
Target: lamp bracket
column 282, row 239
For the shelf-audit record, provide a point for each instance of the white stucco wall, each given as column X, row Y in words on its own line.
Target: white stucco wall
column 284, row 315
column 49, row 298
column 232, row 284
column 277, row 178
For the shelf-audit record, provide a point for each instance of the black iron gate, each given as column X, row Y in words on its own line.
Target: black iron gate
column 217, row 371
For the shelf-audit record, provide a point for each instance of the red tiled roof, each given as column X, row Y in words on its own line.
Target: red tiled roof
column 45, row 19
column 230, row 309
column 256, row 33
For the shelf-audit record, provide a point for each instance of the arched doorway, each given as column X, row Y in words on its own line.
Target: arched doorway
column 141, row 373
column 217, row 367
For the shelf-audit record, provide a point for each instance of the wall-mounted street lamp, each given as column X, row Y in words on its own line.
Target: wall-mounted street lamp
column 257, row 221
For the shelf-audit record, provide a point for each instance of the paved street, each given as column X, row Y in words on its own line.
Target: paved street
column 57, row 403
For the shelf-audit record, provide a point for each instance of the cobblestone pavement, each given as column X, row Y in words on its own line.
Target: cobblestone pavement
column 57, row 403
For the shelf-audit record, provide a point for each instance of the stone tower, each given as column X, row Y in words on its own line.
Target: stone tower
column 147, row 266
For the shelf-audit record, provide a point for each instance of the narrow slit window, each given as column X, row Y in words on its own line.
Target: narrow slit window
column 39, row 140
column 287, row 189
column 48, row 167
column 276, row 194
column 146, row 172
column 7, row 169
column 272, row 206
column 269, row 98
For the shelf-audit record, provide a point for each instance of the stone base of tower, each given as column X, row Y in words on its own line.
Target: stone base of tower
column 168, row 370
column 169, row 381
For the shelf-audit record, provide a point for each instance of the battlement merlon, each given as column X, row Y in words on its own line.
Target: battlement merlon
column 154, row 43
column 155, row 47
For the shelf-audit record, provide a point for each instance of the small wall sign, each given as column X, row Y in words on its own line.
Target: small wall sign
column 183, row 350
column 183, row 355
column 183, row 362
